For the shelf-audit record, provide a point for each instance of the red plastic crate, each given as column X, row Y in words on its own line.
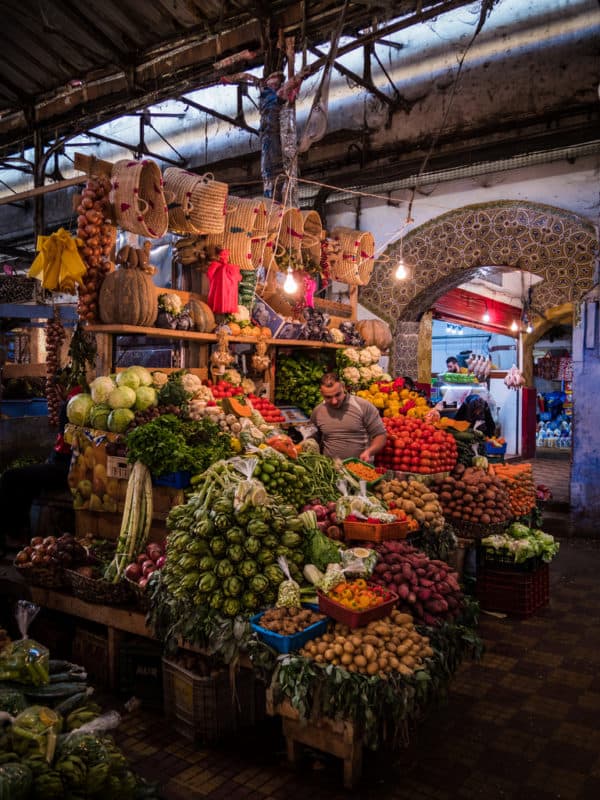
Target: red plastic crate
column 374, row 532
column 355, row 619
column 519, row 594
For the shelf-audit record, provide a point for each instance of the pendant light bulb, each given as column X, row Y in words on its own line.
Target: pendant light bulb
column 514, row 326
column 290, row 285
column 529, row 328
column 401, row 273
column 486, row 314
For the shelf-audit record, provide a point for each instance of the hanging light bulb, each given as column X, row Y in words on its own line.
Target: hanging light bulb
column 401, row 273
column 514, row 326
column 529, row 328
column 289, row 284
column 486, row 314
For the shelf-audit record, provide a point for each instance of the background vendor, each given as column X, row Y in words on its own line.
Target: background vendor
column 346, row 426
column 452, row 364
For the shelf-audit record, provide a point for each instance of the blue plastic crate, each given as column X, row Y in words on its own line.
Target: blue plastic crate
column 174, row 480
column 494, row 451
column 285, row 644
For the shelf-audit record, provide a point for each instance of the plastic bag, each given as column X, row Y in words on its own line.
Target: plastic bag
column 35, row 730
column 249, row 492
column 25, row 661
column 288, row 593
column 360, row 506
column 359, row 562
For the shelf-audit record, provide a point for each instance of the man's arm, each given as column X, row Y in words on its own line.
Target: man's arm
column 377, row 444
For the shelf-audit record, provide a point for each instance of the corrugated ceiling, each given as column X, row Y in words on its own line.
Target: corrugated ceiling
column 66, row 66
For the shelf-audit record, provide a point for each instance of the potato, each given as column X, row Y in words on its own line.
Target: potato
column 369, row 652
column 348, row 647
column 329, row 654
column 346, row 659
column 372, row 668
column 360, row 661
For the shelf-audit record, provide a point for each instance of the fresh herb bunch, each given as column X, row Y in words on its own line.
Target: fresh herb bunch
column 298, row 380
column 168, row 444
column 173, row 393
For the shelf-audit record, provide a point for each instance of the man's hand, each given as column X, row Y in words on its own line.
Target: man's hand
column 366, row 456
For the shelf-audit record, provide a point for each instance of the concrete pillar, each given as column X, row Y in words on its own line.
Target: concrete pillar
column 406, row 344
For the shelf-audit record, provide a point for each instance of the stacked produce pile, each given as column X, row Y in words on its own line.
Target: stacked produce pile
column 472, row 495
column 298, row 380
column 393, row 399
column 520, row 543
column 416, row 446
column 359, row 367
column 268, row 411
column 34, row 765
column 518, row 481
column 428, row 588
column 387, row 645
column 415, row 499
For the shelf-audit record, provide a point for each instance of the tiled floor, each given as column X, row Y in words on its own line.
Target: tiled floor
column 521, row 724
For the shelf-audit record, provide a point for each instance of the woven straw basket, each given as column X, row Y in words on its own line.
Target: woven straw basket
column 138, row 198
column 312, row 233
column 357, row 256
column 199, row 202
column 245, row 232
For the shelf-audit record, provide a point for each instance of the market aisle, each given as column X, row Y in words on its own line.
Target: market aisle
column 522, row 724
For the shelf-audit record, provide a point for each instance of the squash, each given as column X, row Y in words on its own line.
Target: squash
column 375, row 331
column 202, row 315
column 233, row 405
column 128, row 297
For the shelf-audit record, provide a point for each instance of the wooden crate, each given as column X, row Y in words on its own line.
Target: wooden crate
column 340, row 738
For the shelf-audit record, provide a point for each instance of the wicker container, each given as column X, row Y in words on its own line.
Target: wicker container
column 138, row 197
column 357, row 256
column 199, row 202
column 312, row 234
column 97, row 590
column 476, row 530
column 47, row 577
column 140, row 596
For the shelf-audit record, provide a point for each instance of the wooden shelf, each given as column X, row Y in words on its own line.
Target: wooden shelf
column 208, row 338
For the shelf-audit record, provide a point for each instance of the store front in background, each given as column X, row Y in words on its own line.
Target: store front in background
column 553, row 379
column 482, row 334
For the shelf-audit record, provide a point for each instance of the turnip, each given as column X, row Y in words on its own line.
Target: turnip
column 133, row 572
column 160, row 562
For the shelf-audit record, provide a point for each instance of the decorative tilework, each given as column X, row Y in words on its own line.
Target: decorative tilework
column 447, row 251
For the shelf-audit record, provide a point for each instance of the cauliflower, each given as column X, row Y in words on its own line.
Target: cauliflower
column 241, row 315
column 375, row 353
column 248, row 386
column 170, row 302
column 351, row 375
column 386, row 377
column 159, row 379
column 365, row 357
column 351, row 354
column 365, row 374
column 336, row 335
column 233, row 376
column 376, row 372
column 191, row 383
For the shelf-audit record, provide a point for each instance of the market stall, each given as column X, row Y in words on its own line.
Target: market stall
column 211, row 531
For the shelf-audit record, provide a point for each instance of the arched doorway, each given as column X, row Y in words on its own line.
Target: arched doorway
column 549, row 242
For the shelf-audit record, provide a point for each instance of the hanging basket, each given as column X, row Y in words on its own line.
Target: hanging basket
column 312, row 233
column 357, row 256
column 244, row 232
column 138, row 198
column 199, row 202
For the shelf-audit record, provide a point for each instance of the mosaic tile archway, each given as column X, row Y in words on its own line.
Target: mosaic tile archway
column 550, row 242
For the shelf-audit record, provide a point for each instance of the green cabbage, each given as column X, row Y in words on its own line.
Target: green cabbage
column 79, row 408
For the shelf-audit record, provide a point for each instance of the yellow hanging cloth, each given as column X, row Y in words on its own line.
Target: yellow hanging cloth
column 58, row 264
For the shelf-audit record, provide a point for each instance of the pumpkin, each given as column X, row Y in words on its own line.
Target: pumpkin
column 234, row 405
column 375, row 331
column 202, row 315
column 128, row 297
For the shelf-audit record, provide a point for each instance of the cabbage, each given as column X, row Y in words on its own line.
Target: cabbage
column 128, row 378
column 142, row 373
column 121, row 397
column 100, row 388
column 99, row 416
column 119, row 419
column 78, row 409
column 145, row 397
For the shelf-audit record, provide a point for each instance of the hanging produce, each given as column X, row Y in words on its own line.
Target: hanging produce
column 222, row 357
column 127, row 296
column 98, row 236
column 55, row 336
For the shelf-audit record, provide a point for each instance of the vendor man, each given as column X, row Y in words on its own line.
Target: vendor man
column 452, row 364
column 346, row 426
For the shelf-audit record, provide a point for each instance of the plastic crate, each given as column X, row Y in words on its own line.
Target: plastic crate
column 491, row 450
column 174, row 480
column 140, row 671
column 372, row 532
column 355, row 619
column 366, row 464
column 491, row 558
column 519, row 594
column 90, row 650
column 208, row 708
column 287, row 643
